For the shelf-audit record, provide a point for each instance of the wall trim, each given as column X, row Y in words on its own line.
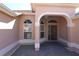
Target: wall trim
column 30, row 41
column 65, row 15
column 26, row 42
column 70, row 44
column 73, row 45
column 8, row 48
column 12, row 50
column 63, row 41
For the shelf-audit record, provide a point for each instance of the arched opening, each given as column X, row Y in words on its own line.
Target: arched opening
column 53, row 28
column 64, row 24
column 27, row 29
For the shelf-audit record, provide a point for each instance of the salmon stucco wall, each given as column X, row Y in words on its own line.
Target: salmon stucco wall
column 62, row 29
column 75, row 31
column 43, row 9
column 8, row 36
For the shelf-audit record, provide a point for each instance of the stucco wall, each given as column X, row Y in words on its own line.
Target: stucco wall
column 75, row 31
column 43, row 9
column 8, row 36
column 62, row 29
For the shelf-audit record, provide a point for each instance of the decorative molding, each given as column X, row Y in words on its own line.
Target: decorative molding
column 75, row 45
column 8, row 48
column 26, row 42
column 43, row 40
column 62, row 40
column 65, row 15
column 56, row 13
column 71, row 25
column 70, row 44
column 30, row 41
column 12, row 50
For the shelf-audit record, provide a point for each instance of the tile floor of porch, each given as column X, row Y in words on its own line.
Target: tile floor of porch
column 47, row 49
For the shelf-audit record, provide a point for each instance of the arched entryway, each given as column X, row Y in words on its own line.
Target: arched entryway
column 48, row 28
column 53, row 28
column 61, row 23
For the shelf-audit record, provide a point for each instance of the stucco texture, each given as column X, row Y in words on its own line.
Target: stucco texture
column 8, row 36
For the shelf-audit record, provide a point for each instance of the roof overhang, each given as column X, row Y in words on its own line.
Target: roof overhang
column 33, row 14
column 34, row 5
column 24, row 12
column 6, row 10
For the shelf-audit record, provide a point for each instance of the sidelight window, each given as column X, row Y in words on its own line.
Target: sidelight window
column 42, row 30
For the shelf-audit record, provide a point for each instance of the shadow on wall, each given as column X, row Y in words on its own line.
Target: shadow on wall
column 8, row 25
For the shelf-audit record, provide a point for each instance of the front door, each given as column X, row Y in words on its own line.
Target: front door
column 52, row 32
